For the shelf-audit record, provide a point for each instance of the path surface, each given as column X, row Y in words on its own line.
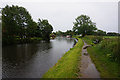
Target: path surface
column 87, row 68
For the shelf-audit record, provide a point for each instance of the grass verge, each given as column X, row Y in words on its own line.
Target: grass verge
column 101, row 56
column 67, row 66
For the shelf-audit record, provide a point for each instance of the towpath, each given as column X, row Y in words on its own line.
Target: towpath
column 87, row 67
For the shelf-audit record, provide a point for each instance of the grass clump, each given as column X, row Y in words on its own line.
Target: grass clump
column 67, row 66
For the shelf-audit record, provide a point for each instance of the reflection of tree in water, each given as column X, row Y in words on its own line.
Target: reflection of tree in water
column 44, row 46
column 35, row 58
column 23, row 52
column 19, row 53
column 15, row 57
column 69, row 40
column 59, row 38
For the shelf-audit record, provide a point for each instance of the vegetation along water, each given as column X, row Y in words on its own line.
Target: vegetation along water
column 32, row 50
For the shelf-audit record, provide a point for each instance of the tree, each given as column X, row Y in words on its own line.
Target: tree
column 60, row 33
column 112, row 34
column 69, row 32
column 15, row 22
column 84, row 25
column 31, row 30
column 101, row 33
column 45, row 29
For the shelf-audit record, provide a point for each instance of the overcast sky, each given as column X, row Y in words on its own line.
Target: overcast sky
column 62, row 13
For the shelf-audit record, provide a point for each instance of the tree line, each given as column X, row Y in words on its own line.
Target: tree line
column 83, row 25
column 18, row 25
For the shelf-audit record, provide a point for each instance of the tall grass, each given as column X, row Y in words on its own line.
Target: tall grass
column 111, row 48
column 106, row 56
column 109, row 45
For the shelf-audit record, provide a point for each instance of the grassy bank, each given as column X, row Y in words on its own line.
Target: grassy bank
column 106, row 56
column 67, row 66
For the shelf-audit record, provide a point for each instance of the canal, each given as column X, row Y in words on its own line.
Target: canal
column 34, row 59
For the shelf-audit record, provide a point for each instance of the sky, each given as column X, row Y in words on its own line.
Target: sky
column 62, row 13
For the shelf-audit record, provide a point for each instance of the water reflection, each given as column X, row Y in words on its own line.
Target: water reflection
column 19, row 53
column 69, row 40
column 33, row 60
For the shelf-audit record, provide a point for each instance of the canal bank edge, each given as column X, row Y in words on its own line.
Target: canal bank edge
column 67, row 66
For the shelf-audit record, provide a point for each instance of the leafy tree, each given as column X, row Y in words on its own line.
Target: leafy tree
column 69, row 32
column 16, row 21
column 59, row 33
column 101, row 33
column 45, row 29
column 84, row 25
column 31, row 30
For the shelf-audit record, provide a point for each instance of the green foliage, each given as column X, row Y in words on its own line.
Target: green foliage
column 84, row 25
column 106, row 67
column 60, row 33
column 67, row 66
column 45, row 28
column 68, row 32
column 35, row 39
column 113, row 34
column 106, row 56
column 90, row 39
column 18, row 26
column 52, row 35
column 16, row 21
column 109, row 45
column 31, row 30
column 101, row 33
column 108, row 37
column 111, row 48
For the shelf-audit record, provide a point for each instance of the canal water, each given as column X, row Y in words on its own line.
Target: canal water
column 34, row 59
